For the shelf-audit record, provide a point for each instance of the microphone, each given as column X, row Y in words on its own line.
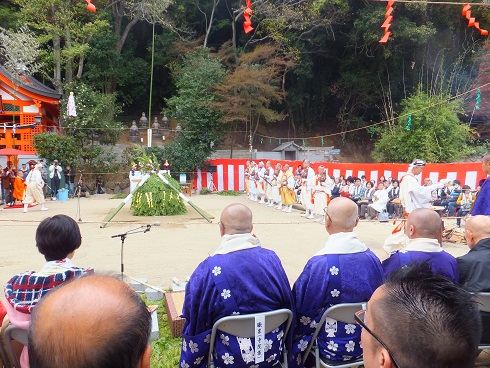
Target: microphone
column 148, row 226
column 158, row 223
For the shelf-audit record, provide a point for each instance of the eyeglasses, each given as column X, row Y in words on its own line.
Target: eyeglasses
column 360, row 318
column 485, row 158
column 325, row 210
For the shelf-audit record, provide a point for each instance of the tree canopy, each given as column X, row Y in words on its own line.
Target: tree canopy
column 316, row 65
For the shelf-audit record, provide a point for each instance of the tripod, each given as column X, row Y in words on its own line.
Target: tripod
column 77, row 193
column 141, row 229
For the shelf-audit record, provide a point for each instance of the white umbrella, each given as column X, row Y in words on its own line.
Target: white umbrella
column 72, row 110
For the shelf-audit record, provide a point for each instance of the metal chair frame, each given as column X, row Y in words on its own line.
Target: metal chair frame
column 343, row 312
column 18, row 334
column 244, row 326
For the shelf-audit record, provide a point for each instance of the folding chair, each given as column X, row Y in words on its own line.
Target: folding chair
column 244, row 326
column 18, row 334
column 343, row 313
column 483, row 300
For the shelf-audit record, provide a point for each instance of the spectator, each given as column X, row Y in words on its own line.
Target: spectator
column 240, row 278
column 424, row 229
column 94, row 321
column 418, row 319
column 357, row 190
column 455, row 192
column 464, row 201
column 368, row 199
column 349, row 271
column 380, row 199
column 57, row 239
column 8, row 178
column 337, row 186
column 394, row 203
column 70, row 173
column 474, row 267
column 55, row 176
column 99, row 183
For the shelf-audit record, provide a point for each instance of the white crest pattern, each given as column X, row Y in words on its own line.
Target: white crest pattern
column 216, row 270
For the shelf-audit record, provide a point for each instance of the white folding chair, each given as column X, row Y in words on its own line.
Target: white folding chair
column 343, row 312
column 244, row 326
column 18, row 334
column 483, row 300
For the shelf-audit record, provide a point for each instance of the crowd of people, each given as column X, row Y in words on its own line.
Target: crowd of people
column 419, row 308
column 284, row 186
column 31, row 184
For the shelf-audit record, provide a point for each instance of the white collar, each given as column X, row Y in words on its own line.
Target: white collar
column 424, row 245
column 64, row 263
column 233, row 243
column 342, row 243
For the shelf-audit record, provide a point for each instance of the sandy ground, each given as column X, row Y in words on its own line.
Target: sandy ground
column 175, row 248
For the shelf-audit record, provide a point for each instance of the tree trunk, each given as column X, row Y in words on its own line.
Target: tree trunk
column 69, row 61
column 57, row 63
column 211, row 19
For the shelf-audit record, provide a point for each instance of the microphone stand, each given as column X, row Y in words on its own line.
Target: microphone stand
column 78, row 192
column 141, row 229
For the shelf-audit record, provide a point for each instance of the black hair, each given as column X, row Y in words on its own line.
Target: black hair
column 57, row 236
column 430, row 321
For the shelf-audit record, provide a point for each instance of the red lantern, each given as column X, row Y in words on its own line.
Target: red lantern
column 387, row 23
column 90, row 7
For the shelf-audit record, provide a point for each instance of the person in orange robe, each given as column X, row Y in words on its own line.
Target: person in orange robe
column 19, row 186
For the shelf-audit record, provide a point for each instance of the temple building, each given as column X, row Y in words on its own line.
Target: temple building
column 27, row 107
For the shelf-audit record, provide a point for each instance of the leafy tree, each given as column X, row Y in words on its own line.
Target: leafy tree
column 95, row 116
column 252, row 90
column 193, row 108
column 66, row 28
column 435, row 133
column 51, row 146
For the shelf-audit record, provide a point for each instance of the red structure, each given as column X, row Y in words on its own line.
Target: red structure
column 27, row 107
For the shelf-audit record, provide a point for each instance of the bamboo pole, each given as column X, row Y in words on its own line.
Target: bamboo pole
column 146, row 284
column 126, row 200
column 201, row 212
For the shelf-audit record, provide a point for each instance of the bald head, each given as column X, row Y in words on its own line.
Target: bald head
column 236, row 219
column 423, row 223
column 341, row 215
column 93, row 321
column 476, row 229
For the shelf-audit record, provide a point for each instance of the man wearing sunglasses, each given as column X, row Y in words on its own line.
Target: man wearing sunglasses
column 343, row 271
column 481, row 206
column 418, row 319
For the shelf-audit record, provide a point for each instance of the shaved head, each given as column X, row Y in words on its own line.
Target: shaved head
column 476, row 229
column 93, row 321
column 423, row 223
column 341, row 215
column 236, row 219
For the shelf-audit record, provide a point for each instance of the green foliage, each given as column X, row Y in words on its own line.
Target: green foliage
column 229, row 193
column 205, row 191
column 166, row 349
column 192, row 106
column 9, row 15
column 95, row 115
column 435, row 135
column 155, row 198
column 51, row 146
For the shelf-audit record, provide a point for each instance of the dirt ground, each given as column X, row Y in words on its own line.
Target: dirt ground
column 175, row 248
